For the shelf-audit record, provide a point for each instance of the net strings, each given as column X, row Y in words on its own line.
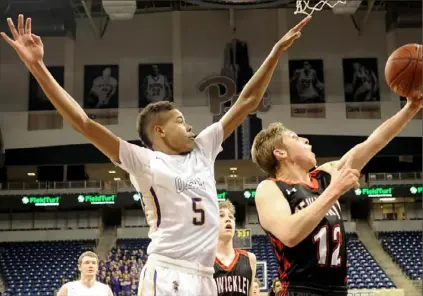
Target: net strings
column 303, row 6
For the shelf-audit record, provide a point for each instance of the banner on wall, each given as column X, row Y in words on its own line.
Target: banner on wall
column 419, row 114
column 307, row 88
column 42, row 114
column 155, row 83
column 361, row 88
column 101, row 93
column 133, row 199
column 223, row 90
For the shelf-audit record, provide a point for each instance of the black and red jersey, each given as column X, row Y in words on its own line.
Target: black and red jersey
column 235, row 279
column 318, row 264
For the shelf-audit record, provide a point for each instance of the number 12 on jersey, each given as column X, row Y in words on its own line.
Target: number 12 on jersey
column 200, row 215
column 324, row 245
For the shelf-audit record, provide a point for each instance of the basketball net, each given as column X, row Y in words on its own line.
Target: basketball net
column 303, row 6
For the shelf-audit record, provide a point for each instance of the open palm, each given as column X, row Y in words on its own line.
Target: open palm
column 28, row 46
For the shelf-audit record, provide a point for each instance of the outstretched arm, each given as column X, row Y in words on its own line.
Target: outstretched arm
column 254, row 90
column 30, row 49
column 361, row 154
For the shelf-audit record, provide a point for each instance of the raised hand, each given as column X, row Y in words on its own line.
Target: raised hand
column 288, row 39
column 28, row 46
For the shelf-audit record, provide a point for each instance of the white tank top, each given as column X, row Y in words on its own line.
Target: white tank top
column 179, row 196
column 156, row 88
column 76, row 288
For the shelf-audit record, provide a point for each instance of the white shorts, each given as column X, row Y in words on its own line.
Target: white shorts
column 163, row 276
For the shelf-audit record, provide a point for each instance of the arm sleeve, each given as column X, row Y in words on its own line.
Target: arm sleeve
column 210, row 140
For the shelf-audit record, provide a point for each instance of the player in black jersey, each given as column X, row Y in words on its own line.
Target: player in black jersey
column 300, row 210
column 234, row 269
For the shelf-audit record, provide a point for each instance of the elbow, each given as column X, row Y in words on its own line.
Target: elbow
column 83, row 124
column 291, row 241
column 250, row 102
column 288, row 238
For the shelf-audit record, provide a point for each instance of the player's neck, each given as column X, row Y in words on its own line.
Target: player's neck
column 225, row 248
column 293, row 174
column 88, row 281
column 164, row 149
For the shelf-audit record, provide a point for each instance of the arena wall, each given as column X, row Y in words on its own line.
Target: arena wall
column 194, row 42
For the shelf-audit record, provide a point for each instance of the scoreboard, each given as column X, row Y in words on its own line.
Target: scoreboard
column 242, row 239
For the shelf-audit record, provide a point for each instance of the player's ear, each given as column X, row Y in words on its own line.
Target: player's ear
column 158, row 130
column 280, row 154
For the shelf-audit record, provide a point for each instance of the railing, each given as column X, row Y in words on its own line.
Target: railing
column 395, row 178
column 50, row 185
column 222, row 183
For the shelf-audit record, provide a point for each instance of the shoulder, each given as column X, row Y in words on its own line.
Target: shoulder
column 252, row 257
column 266, row 188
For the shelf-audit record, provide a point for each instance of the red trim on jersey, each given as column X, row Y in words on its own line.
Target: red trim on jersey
column 233, row 263
column 314, row 182
column 284, row 264
column 242, row 252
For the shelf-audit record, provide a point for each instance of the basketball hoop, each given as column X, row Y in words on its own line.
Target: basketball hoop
column 303, row 6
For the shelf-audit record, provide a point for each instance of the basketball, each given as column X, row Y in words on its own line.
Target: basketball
column 403, row 70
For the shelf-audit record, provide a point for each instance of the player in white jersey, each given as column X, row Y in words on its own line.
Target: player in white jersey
column 104, row 87
column 173, row 171
column 87, row 284
column 156, row 86
column 306, row 83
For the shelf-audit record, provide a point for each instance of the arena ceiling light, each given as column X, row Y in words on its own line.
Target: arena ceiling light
column 31, row 174
column 240, row 4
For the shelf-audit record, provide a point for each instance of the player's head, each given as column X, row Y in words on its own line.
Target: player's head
column 256, row 287
column 162, row 127
column 307, row 66
column 277, row 148
column 107, row 72
column 276, row 286
column 356, row 66
column 88, row 264
column 227, row 220
column 155, row 70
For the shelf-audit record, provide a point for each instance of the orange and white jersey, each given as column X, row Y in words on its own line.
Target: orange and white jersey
column 179, row 196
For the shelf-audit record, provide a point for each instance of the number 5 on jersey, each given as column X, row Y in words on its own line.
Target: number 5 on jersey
column 200, row 216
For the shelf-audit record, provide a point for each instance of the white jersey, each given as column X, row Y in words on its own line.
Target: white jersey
column 305, row 86
column 179, row 196
column 156, row 90
column 76, row 288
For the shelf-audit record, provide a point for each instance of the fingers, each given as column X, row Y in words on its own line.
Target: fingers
column 37, row 39
column 28, row 25
column 7, row 39
column 21, row 28
column 357, row 185
column 301, row 24
column 12, row 28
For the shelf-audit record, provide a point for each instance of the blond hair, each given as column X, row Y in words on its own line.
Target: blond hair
column 256, row 280
column 265, row 142
column 87, row 254
column 226, row 204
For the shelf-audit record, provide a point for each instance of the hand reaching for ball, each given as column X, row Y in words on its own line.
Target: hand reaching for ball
column 415, row 100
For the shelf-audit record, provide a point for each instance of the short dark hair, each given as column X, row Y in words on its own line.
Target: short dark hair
column 146, row 116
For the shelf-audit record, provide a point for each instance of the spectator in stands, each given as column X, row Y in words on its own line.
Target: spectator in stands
column 115, row 283
column 134, row 286
column 256, row 287
column 276, row 287
column 126, row 286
